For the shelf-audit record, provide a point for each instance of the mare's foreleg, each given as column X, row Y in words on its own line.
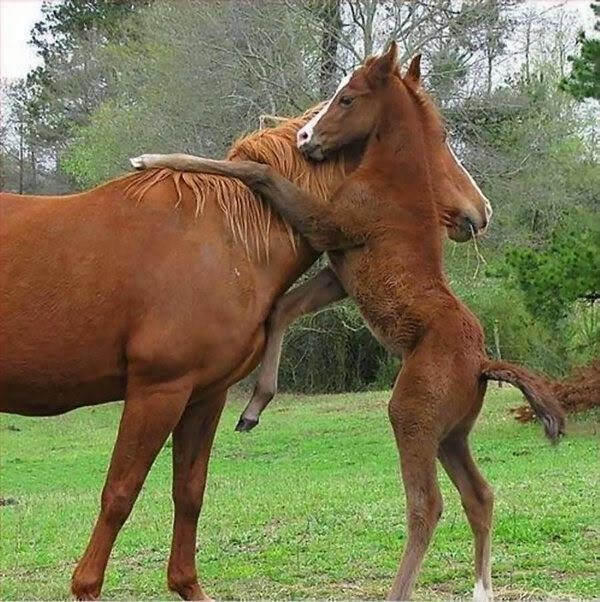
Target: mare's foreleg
column 313, row 218
column 322, row 290
column 151, row 412
column 192, row 442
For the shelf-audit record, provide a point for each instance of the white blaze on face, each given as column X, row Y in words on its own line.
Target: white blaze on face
column 305, row 133
column 488, row 205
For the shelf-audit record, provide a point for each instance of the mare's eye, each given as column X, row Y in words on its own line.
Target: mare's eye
column 346, row 101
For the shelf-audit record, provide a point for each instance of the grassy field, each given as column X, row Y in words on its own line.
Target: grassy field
column 307, row 506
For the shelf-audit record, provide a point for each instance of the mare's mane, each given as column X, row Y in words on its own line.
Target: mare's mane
column 248, row 217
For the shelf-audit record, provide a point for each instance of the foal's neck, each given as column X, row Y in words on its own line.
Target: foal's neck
column 398, row 153
column 396, row 145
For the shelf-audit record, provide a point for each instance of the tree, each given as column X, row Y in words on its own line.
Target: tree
column 565, row 271
column 584, row 79
column 72, row 82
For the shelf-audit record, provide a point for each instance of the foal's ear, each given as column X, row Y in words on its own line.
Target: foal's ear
column 383, row 66
column 414, row 69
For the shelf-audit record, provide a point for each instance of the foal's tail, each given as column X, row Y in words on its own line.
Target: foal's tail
column 536, row 390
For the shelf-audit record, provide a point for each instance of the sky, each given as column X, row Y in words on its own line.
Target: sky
column 17, row 17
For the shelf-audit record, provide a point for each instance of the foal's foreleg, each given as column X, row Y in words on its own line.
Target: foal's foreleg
column 151, row 412
column 322, row 290
column 478, row 502
column 324, row 228
column 192, row 441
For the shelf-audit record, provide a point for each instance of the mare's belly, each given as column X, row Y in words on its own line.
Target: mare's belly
column 31, row 399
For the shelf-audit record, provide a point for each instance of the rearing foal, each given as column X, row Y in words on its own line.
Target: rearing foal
column 382, row 232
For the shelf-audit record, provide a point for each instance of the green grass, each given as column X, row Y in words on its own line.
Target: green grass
column 307, row 506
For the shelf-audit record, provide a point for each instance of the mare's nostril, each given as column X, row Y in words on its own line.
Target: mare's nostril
column 471, row 225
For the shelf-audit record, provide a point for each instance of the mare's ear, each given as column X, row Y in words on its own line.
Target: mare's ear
column 383, row 66
column 414, row 69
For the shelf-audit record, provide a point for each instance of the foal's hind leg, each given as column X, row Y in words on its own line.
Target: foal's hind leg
column 151, row 412
column 416, row 438
column 478, row 502
column 192, row 441
column 323, row 289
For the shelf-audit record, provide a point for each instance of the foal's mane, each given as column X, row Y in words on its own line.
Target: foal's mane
column 248, row 216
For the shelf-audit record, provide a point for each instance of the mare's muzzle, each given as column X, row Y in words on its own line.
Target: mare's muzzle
column 467, row 226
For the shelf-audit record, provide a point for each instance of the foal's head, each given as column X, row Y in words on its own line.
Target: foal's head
column 356, row 111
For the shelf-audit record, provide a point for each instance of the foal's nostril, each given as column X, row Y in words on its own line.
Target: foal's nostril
column 303, row 135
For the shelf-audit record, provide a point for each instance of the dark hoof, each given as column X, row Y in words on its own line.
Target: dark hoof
column 245, row 424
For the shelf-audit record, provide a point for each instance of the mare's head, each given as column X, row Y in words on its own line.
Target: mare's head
column 356, row 112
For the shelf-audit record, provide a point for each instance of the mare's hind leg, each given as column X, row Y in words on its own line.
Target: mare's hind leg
column 192, row 441
column 323, row 289
column 478, row 502
column 414, row 425
column 151, row 412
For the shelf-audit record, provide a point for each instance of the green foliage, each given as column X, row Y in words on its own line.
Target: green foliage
column 71, row 82
column 331, row 351
column 307, row 506
column 64, row 23
column 92, row 158
column 584, row 79
column 568, row 269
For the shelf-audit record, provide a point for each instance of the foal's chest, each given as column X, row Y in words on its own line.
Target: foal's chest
column 382, row 295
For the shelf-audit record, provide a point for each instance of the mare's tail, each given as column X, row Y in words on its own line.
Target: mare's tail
column 537, row 392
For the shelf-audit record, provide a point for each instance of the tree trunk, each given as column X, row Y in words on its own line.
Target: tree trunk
column 527, row 51
column 332, row 26
column 34, row 188
column 21, row 156
column 490, row 67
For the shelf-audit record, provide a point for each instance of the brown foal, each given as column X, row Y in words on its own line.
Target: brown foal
column 383, row 235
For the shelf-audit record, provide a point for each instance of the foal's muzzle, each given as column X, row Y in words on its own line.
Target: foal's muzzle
column 311, row 147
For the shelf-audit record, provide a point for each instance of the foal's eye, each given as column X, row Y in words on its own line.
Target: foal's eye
column 346, row 101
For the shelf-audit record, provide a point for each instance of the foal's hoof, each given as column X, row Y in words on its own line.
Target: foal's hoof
column 137, row 162
column 245, row 425
column 143, row 161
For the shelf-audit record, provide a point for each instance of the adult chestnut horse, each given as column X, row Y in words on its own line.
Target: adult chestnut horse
column 155, row 288
column 383, row 235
